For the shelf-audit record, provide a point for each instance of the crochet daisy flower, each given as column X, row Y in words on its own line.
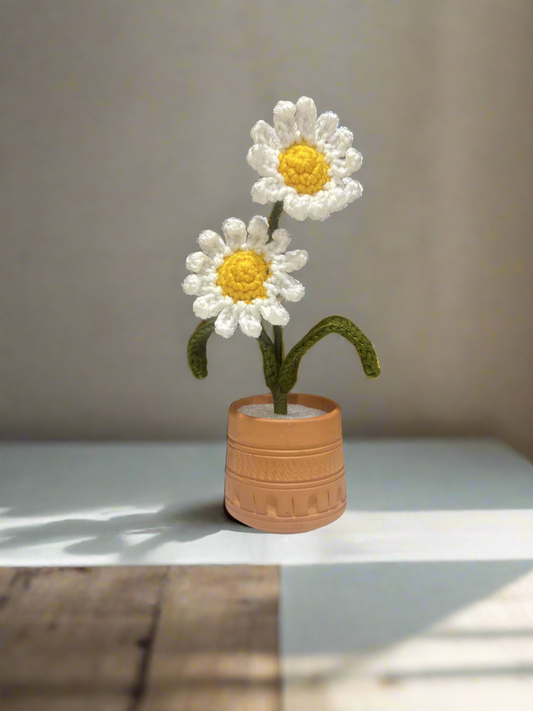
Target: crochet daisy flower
column 244, row 277
column 304, row 161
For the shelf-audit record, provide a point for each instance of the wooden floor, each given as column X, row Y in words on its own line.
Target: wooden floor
column 139, row 639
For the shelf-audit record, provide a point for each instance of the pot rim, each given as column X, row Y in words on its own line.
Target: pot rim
column 292, row 398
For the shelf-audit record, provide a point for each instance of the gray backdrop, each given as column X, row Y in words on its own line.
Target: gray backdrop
column 124, row 127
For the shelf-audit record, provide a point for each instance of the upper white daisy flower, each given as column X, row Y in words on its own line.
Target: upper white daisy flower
column 304, row 161
column 244, row 277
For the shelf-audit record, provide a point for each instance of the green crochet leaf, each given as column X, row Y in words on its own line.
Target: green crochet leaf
column 197, row 348
column 288, row 374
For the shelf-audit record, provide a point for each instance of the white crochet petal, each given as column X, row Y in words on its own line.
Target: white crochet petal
column 341, row 193
column 226, row 322
column 326, row 125
column 270, row 190
column 285, row 124
column 212, row 244
column 344, row 167
column 272, row 288
column 352, row 188
column 280, row 241
column 292, row 261
column 209, row 272
column 264, row 160
column 235, row 233
column 197, row 261
column 250, row 320
column 338, row 144
column 264, row 135
column 257, row 232
column 306, row 119
column 210, row 300
column 208, row 305
column 273, row 312
column 193, row 285
column 337, row 197
column 289, row 287
column 297, row 206
column 320, row 208
column 354, row 159
column 294, row 123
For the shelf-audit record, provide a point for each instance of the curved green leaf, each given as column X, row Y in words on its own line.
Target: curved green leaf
column 288, row 374
column 197, row 348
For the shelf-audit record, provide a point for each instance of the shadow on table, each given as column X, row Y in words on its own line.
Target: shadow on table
column 353, row 625
column 107, row 536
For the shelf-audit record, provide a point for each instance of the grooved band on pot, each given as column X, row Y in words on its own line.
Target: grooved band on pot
column 267, row 452
column 265, row 467
column 264, row 499
column 286, row 502
column 285, row 484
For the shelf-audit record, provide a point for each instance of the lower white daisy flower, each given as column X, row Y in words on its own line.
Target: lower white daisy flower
column 304, row 161
column 244, row 277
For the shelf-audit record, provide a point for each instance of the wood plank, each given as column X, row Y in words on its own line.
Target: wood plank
column 76, row 639
column 217, row 642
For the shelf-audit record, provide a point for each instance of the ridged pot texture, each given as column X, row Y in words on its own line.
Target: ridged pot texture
column 285, row 476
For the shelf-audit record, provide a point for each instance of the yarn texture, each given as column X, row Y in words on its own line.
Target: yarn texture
column 270, row 364
column 197, row 348
column 304, row 161
column 288, row 374
column 281, row 373
column 244, row 277
column 303, row 168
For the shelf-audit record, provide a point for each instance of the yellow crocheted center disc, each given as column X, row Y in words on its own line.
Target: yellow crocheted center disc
column 303, row 168
column 242, row 276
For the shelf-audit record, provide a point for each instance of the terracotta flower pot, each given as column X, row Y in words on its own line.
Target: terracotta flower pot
column 285, row 476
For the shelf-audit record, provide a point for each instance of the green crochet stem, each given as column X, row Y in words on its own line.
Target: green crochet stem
column 278, row 345
column 280, row 398
column 271, row 370
column 273, row 220
column 281, row 376
column 270, row 365
column 197, row 348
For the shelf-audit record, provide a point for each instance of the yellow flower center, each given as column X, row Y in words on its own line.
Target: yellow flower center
column 242, row 276
column 303, row 168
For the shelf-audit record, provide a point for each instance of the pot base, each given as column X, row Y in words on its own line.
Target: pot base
column 284, row 525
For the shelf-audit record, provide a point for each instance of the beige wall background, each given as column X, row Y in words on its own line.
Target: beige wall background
column 124, row 127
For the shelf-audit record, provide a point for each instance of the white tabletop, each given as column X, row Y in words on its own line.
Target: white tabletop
column 419, row 597
column 408, row 500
